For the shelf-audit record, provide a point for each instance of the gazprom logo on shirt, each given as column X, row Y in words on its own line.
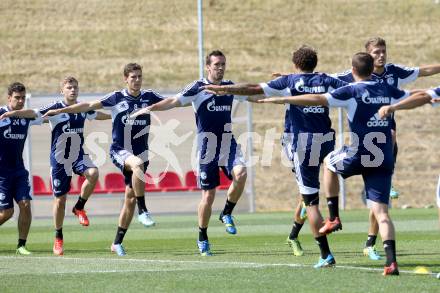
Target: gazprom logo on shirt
column 127, row 121
column 374, row 100
column 213, row 108
column 299, row 86
column 7, row 134
column 375, row 121
column 66, row 129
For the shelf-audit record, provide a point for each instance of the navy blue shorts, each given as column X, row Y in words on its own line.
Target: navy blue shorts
column 307, row 160
column 347, row 162
column 226, row 159
column 118, row 157
column 14, row 186
column 61, row 177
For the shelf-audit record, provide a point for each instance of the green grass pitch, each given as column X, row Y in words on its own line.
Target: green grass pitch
column 164, row 258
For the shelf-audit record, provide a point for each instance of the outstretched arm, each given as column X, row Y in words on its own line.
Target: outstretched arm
column 416, row 100
column 25, row 113
column 429, row 70
column 243, row 89
column 166, row 104
column 302, row 100
column 76, row 108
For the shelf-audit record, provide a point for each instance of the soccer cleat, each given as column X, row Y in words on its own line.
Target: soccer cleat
column 82, row 216
column 296, row 246
column 331, row 226
column 394, row 194
column 118, row 249
column 229, row 223
column 371, row 252
column 303, row 213
column 58, row 247
column 328, row 262
column 22, row 250
column 204, row 248
column 146, row 219
column 392, row 270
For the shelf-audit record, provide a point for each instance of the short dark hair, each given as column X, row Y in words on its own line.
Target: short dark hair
column 130, row 67
column 376, row 41
column 16, row 87
column 213, row 53
column 363, row 64
column 68, row 79
column 305, row 58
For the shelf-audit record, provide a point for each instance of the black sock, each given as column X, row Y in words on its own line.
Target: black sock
column 203, row 234
column 21, row 242
column 371, row 241
column 141, row 204
column 80, row 203
column 295, row 230
column 120, row 233
column 229, row 206
column 333, row 207
column 59, row 233
column 323, row 246
column 390, row 251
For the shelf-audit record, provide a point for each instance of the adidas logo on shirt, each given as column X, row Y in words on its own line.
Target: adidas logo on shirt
column 375, row 121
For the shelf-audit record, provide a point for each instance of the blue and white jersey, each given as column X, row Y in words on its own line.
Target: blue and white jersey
column 362, row 101
column 13, row 134
column 67, row 133
column 213, row 112
column 434, row 93
column 130, row 134
column 301, row 119
column 394, row 75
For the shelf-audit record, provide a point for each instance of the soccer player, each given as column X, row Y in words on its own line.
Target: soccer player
column 129, row 149
column 67, row 154
column 398, row 76
column 420, row 98
column 370, row 153
column 14, row 178
column 216, row 145
column 308, row 136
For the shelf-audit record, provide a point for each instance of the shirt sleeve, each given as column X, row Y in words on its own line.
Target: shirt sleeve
column 339, row 97
column 43, row 110
column 91, row 115
column 188, row 94
column 38, row 120
column 405, row 74
column 399, row 95
column 277, row 87
column 434, row 93
column 109, row 100
column 335, row 83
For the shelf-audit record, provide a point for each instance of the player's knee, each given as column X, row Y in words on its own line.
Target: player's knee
column 241, row 176
column 24, row 205
column 311, row 199
column 208, row 197
column 92, row 174
column 6, row 215
column 60, row 202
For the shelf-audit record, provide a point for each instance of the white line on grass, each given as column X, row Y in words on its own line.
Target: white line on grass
column 168, row 261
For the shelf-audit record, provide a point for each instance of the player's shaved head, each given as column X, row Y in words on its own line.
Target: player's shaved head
column 363, row 64
column 305, row 58
column 375, row 42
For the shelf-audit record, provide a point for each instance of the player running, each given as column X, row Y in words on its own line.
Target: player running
column 129, row 149
column 308, row 136
column 67, row 155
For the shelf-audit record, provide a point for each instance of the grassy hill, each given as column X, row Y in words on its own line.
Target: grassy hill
column 44, row 40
